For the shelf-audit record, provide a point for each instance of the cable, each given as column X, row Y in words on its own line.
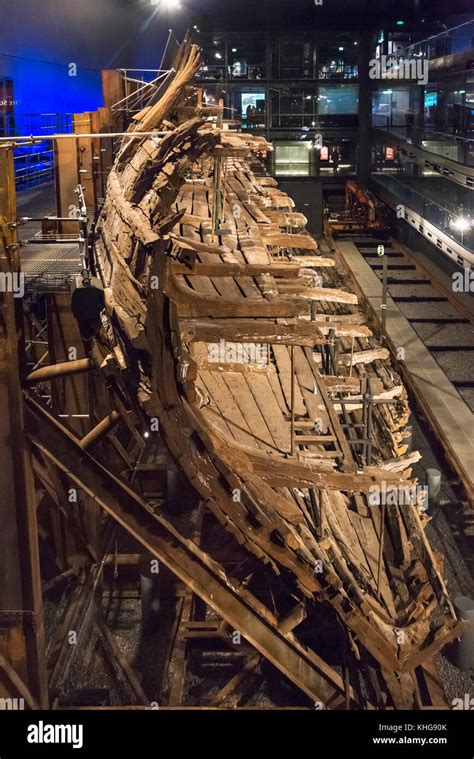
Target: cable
column 47, row 63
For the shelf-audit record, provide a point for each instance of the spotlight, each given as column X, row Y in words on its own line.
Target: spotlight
column 218, row 55
column 341, row 49
column 169, row 5
column 461, row 224
column 146, row 434
column 234, row 49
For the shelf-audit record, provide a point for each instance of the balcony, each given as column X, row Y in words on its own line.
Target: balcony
column 450, row 146
column 436, row 200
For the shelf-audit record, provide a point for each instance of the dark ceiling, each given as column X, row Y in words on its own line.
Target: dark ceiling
column 332, row 14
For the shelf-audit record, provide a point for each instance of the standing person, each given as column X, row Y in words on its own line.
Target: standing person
column 335, row 158
column 254, row 115
column 248, row 114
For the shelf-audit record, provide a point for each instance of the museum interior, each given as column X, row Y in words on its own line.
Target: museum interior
column 236, row 355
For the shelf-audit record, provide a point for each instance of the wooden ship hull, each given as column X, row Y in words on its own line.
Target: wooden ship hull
column 239, row 337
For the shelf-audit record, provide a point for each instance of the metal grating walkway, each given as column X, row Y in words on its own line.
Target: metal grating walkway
column 50, row 267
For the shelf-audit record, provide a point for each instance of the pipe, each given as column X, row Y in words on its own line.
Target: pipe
column 150, row 592
column 100, row 430
column 64, row 369
column 70, row 135
column 464, row 652
column 433, row 481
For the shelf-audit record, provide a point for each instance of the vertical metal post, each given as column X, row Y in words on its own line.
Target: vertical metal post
column 216, row 196
column 316, row 512
column 363, row 446
column 369, row 399
column 224, row 194
column 352, row 357
column 381, row 252
column 381, row 546
column 365, row 103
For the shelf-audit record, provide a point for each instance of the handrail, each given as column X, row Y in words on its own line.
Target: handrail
column 424, row 198
column 444, row 33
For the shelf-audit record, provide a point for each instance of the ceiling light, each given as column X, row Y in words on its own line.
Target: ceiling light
column 218, row 55
column 340, row 48
column 169, row 5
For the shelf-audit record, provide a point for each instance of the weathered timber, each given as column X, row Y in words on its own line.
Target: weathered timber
column 272, row 445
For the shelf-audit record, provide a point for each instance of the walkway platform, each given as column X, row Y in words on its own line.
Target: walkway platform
column 450, row 417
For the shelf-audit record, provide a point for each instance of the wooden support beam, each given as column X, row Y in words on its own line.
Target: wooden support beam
column 190, row 303
column 86, row 150
column 248, row 668
column 66, row 178
column 289, row 473
column 250, row 331
column 117, row 656
column 78, row 616
column 283, row 241
column 18, row 684
column 184, row 558
column 222, row 269
column 22, row 643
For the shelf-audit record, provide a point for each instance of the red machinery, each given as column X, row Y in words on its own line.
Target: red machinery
column 364, row 207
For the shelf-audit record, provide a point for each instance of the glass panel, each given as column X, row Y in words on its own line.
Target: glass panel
column 253, row 108
column 246, row 56
column 213, row 55
column 338, row 57
column 293, row 57
column 293, row 159
column 438, row 201
column 340, row 98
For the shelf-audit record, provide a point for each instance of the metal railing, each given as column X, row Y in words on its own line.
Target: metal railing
column 219, row 73
column 458, row 39
column 34, row 164
column 455, row 223
column 458, row 149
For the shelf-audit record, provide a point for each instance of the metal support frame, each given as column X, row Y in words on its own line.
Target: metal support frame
column 22, row 662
